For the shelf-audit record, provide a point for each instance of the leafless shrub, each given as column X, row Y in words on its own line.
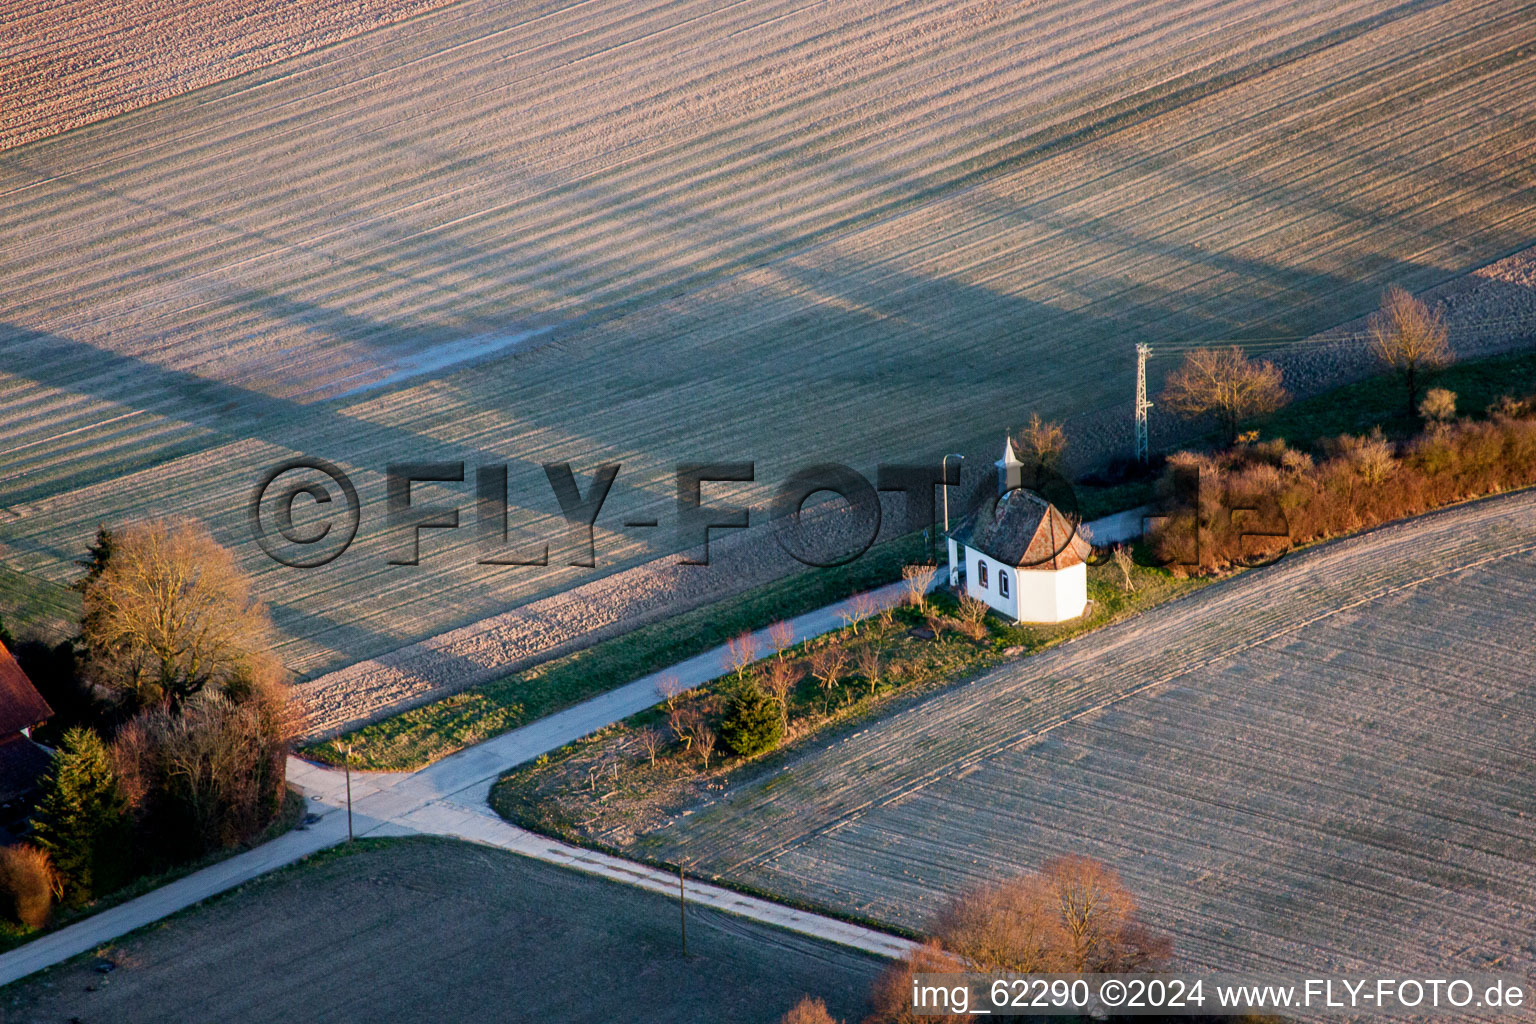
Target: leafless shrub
column 28, row 885
column 827, row 667
column 809, row 1011
column 1509, row 407
column 936, row 624
column 868, row 661
column 918, row 579
column 778, row 682
column 650, row 741
column 1371, row 455
column 1439, row 405
column 973, row 609
column 891, row 996
column 1124, row 562
column 782, row 635
column 741, row 651
column 705, row 740
column 1226, row 384
column 211, row 776
column 1043, row 443
column 1410, row 339
column 1295, row 462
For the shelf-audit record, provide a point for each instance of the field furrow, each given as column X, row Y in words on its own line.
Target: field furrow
column 1325, row 765
column 657, row 232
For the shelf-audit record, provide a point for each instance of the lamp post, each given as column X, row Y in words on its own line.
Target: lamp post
column 944, row 475
column 347, row 767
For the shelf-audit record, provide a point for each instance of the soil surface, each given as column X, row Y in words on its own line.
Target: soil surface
column 864, row 232
column 435, row 930
column 71, row 63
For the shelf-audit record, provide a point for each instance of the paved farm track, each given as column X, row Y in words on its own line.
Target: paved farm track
column 1327, row 764
column 771, row 230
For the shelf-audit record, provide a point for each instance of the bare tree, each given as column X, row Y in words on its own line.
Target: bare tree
column 1410, row 339
column 682, row 722
column 1008, row 926
column 1099, row 915
column 669, row 689
column 827, row 667
column 918, row 579
column 858, row 611
column 1226, row 384
column 650, row 741
column 1043, row 443
column 1124, row 562
column 778, row 682
column 868, row 661
column 1075, row 915
column 741, row 651
column 170, row 614
column 782, row 635
column 705, row 739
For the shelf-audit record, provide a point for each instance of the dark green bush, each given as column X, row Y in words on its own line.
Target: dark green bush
column 752, row 723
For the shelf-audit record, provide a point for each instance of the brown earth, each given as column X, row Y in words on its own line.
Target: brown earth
column 854, row 232
column 68, row 63
column 433, row 930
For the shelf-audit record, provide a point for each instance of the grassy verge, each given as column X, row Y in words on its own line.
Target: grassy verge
column 606, row 790
column 417, row 737
column 1381, row 402
column 13, row 935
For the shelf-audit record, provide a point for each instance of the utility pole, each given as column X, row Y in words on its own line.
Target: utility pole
column 944, row 476
column 347, row 767
column 1142, row 405
column 682, row 909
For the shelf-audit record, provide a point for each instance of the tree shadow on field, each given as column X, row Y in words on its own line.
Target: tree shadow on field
column 229, row 410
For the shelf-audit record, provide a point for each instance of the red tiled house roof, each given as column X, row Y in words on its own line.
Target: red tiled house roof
column 21, row 706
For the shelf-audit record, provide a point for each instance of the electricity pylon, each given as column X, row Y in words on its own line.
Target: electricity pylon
column 1142, row 405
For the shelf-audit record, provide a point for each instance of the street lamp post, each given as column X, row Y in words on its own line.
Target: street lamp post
column 347, row 767
column 944, row 474
column 944, row 482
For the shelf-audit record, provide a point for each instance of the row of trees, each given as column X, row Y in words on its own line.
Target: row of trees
column 1224, row 385
column 762, row 697
column 1407, row 337
column 181, row 749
